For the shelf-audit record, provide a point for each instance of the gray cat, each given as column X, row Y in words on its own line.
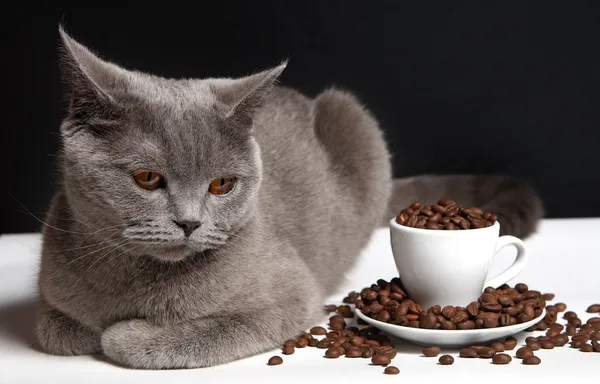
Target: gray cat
column 203, row 221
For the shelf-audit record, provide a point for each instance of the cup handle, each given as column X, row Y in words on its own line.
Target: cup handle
column 516, row 267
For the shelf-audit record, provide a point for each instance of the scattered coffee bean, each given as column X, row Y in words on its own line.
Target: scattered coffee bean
column 391, row 370
column 275, row 360
column 548, row 296
column 497, row 346
column 431, row 351
column 569, row 314
column 486, row 353
column 501, row 358
column 524, row 352
column 287, row 349
column 586, row 348
column 301, row 343
column 334, row 352
column 561, row 307
column 532, row 360
column 446, row 360
column 330, row 308
column 594, row 308
column 547, row 345
column 320, row 331
column 468, row 353
column 534, row 345
column 353, row 352
column 380, row 359
column 510, row 343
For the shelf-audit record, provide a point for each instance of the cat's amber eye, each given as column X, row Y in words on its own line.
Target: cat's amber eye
column 221, row 185
column 149, row 180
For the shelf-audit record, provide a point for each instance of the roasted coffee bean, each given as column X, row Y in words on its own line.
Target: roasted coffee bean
column 431, row 351
column 383, row 316
column 473, row 309
column 367, row 353
column 353, row 352
column 334, row 352
column 446, row 360
column 548, row 296
column 489, row 322
column 318, row 331
column 577, row 343
column 466, row 325
column 521, row 287
column 459, row 317
column 301, row 343
column 569, row 314
column 468, row 353
column 325, row 343
column 571, row 329
column 391, row 370
column 330, row 308
column 376, row 308
column 532, row 360
column 547, row 345
column 501, row 359
column 389, row 351
column 497, row 346
column 380, row 359
column 552, row 332
column 506, row 301
column 488, row 298
column 436, row 310
column 428, row 321
column 534, row 345
column 586, row 348
column 449, row 311
column 560, row 340
column 510, row 343
column 576, row 321
column 524, row 352
column 287, row 349
column 594, row 308
column 275, row 360
column 448, row 325
column 560, row 307
column 486, row 353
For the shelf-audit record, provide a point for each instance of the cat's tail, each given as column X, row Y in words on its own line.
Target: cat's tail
column 517, row 205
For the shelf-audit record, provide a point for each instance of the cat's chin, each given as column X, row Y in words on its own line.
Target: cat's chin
column 175, row 253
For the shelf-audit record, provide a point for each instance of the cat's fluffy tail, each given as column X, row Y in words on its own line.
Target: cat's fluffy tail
column 517, row 205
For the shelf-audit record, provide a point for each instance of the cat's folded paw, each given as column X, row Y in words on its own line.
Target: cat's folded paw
column 58, row 334
column 134, row 344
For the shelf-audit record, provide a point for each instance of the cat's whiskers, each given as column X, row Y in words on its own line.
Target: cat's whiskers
column 113, row 246
column 116, row 231
column 103, row 256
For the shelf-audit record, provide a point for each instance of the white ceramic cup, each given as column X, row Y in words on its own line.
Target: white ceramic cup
column 450, row 267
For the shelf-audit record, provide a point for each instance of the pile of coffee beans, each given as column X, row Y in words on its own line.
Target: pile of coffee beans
column 388, row 302
column 446, row 214
column 504, row 306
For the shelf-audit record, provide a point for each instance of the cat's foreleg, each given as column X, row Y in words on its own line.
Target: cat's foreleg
column 59, row 334
column 203, row 342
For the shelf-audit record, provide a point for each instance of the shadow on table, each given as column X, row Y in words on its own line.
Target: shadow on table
column 17, row 322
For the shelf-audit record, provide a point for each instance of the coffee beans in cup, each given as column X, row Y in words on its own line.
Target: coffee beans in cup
column 445, row 215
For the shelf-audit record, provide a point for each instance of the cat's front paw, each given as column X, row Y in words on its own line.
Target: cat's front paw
column 59, row 334
column 134, row 344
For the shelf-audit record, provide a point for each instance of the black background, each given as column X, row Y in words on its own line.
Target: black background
column 488, row 87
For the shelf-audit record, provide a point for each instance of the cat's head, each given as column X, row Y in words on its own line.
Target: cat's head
column 168, row 166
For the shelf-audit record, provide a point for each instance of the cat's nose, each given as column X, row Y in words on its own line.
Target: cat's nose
column 188, row 226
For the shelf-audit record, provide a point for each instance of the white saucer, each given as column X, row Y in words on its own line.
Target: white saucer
column 449, row 339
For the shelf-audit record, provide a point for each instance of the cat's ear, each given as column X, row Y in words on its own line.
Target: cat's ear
column 88, row 80
column 243, row 97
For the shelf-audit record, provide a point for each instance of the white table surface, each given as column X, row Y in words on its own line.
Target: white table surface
column 564, row 259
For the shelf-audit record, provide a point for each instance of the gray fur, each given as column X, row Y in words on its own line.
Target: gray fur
column 117, row 275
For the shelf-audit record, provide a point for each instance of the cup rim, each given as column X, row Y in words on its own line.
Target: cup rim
column 440, row 232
